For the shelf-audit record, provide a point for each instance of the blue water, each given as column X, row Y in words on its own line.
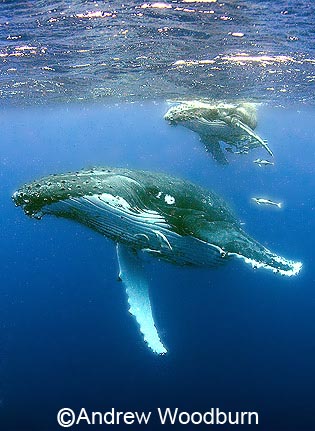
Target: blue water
column 238, row 339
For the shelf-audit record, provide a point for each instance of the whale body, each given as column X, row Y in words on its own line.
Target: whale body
column 218, row 122
column 149, row 213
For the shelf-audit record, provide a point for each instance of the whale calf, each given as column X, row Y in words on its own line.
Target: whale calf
column 216, row 122
column 149, row 213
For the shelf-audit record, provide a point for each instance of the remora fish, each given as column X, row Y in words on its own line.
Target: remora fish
column 262, row 162
column 232, row 123
column 263, row 201
column 157, row 214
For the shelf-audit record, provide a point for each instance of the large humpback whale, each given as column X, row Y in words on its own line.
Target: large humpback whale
column 152, row 213
column 216, row 122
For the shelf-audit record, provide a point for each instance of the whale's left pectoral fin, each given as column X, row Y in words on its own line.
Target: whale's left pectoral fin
column 132, row 273
column 213, row 147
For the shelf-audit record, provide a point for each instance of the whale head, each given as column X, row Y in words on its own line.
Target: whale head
column 34, row 196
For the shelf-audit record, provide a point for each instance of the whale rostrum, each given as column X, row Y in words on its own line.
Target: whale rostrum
column 149, row 213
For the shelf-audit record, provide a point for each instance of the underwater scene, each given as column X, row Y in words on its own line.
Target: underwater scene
column 157, row 215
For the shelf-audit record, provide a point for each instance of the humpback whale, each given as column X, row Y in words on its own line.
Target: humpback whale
column 149, row 213
column 232, row 123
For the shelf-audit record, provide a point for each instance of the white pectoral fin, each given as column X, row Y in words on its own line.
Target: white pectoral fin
column 133, row 275
column 254, row 135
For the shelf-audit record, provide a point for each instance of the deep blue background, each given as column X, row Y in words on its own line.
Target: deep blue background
column 238, row 339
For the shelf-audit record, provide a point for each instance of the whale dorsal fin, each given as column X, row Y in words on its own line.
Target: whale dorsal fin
column 132, row 273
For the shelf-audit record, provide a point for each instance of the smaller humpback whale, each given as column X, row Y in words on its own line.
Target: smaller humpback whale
column 231, row 123
column 153, row 214
column 263, row 201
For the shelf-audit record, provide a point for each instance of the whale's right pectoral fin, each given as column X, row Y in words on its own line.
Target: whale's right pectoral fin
column 133, row 276
column 255, row 254
column 213, row 147
column 236, row 243
column 252, row 134
column 258, row 256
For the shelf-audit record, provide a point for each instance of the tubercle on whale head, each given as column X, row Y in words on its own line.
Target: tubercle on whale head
column 185, row 111
column 31, row 207
column 172, row 115
column 33, row 196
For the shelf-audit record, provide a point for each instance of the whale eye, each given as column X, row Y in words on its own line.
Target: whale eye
column 153, row 190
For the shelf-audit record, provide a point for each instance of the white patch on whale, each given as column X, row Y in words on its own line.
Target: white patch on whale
column 169, row 199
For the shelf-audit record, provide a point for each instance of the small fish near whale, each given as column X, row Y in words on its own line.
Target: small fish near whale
column 263, row 162
column 268, row 202
column 217, row 122
column 154, row 214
